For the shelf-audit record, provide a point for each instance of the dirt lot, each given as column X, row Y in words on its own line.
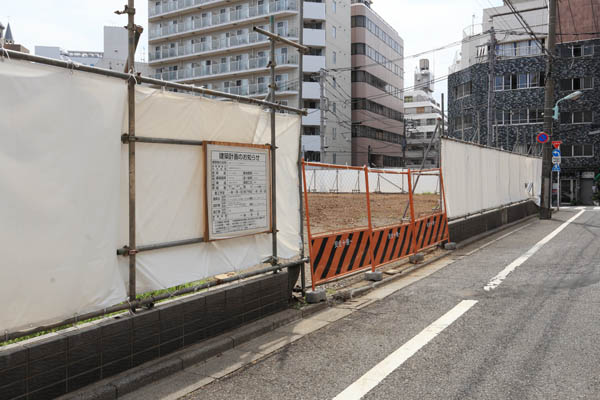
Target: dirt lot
column 338, row 211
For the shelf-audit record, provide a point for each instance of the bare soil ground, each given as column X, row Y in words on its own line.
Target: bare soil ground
column 340, row 211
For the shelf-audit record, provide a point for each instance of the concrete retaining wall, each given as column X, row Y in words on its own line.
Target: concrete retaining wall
column 464, row 229
column 64, row 362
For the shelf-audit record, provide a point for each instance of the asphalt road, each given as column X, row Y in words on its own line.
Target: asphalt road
column 536, row 335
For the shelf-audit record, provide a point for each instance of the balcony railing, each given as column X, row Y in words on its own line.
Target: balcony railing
column 223, row 43
column 224, row 18
column 225, row 68
column 171, row 6
column 256, row 89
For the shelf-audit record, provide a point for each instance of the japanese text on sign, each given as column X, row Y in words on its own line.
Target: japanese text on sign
column 238, row 187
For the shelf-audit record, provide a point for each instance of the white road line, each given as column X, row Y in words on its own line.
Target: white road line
column 379, row 372
column 498, row 279
column 497, row 239
column 597, row 208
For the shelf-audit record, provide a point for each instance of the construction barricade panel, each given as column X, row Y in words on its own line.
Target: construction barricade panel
column 430, row 231
column 392, row 243
column 338, row 254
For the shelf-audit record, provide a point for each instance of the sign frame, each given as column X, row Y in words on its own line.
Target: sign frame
column 240, row 147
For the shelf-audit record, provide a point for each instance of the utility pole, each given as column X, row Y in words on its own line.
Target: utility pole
column 545, row 209
column 404, row 143
column 130, row 10
column 492, row 64
column 322, row 75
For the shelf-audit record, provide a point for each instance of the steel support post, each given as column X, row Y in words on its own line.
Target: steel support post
column 273, row 88
column 131, row 148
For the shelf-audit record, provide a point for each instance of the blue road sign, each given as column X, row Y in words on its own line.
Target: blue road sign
column 555, row 153
column 556, row 168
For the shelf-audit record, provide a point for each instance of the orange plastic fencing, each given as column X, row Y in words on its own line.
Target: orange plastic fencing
column 359, row 218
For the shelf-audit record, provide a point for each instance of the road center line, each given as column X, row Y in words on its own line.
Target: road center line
column 498, row 279
column 379, row 372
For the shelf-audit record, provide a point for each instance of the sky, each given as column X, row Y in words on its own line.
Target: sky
column 78, row 25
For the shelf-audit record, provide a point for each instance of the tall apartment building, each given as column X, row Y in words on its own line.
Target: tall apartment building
column 377, row 83
column 211, row 43
column 517, row 97
column 422, row 113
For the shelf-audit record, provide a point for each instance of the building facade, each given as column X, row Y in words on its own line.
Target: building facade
column 514, row 106
column 423, row 113
column 211, row 43
column 8, row 41
column 377, row 85
column 113, row 57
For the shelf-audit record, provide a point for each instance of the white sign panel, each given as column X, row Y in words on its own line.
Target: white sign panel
column 238, row 190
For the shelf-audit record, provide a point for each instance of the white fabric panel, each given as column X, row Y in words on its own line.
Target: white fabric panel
column 170, row 187
column 478, row 178
column 59, row 156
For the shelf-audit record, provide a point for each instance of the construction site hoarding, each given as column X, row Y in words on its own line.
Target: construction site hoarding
column 479, row 178
column 65, row 196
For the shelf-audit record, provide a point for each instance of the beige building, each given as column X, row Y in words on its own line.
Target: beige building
column 211, row 43
column 377, row 83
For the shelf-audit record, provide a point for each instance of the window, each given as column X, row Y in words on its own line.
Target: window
column 366, row 104
column 333, row 107
column 377, row 134
column 519, row 81
column 334, row 133
column 519, row 116
column 577, row 50
column 363, row 76
column 361, row 21
column 334, row 57
column 577, row 150
column 361, row 48
column 577, row 83
column 334, row 6
column 408, row 99
column 463, row 90
column 576, row 117
column 463, row 122
column 333, row 31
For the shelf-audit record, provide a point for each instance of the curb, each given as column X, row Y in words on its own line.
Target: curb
column 348, row 294
column 138, row 377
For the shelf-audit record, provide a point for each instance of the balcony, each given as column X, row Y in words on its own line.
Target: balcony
column 228, row 68
column 179, row 6
column 314, row 10
column 313, row 117
column 314, row 37
column 313, row 63
column 260, row 89
column 216, row 45
column 214, row 20
column 311, row 90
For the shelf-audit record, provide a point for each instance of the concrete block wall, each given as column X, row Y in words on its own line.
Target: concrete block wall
column 64, row 362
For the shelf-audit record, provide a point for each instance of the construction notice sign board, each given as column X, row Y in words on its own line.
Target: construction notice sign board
column 238, row 190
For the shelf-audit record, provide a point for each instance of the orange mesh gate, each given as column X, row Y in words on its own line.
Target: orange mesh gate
column 365, row 218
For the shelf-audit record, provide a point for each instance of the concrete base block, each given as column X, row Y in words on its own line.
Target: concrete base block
column 450, row 246
column 316, row 296
column 416, row 258
column 374, row 276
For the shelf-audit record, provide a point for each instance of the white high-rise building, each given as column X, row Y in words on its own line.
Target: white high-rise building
column 211, row 43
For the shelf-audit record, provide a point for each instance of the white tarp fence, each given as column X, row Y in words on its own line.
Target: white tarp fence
column 478, row 178
column 64, row 191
